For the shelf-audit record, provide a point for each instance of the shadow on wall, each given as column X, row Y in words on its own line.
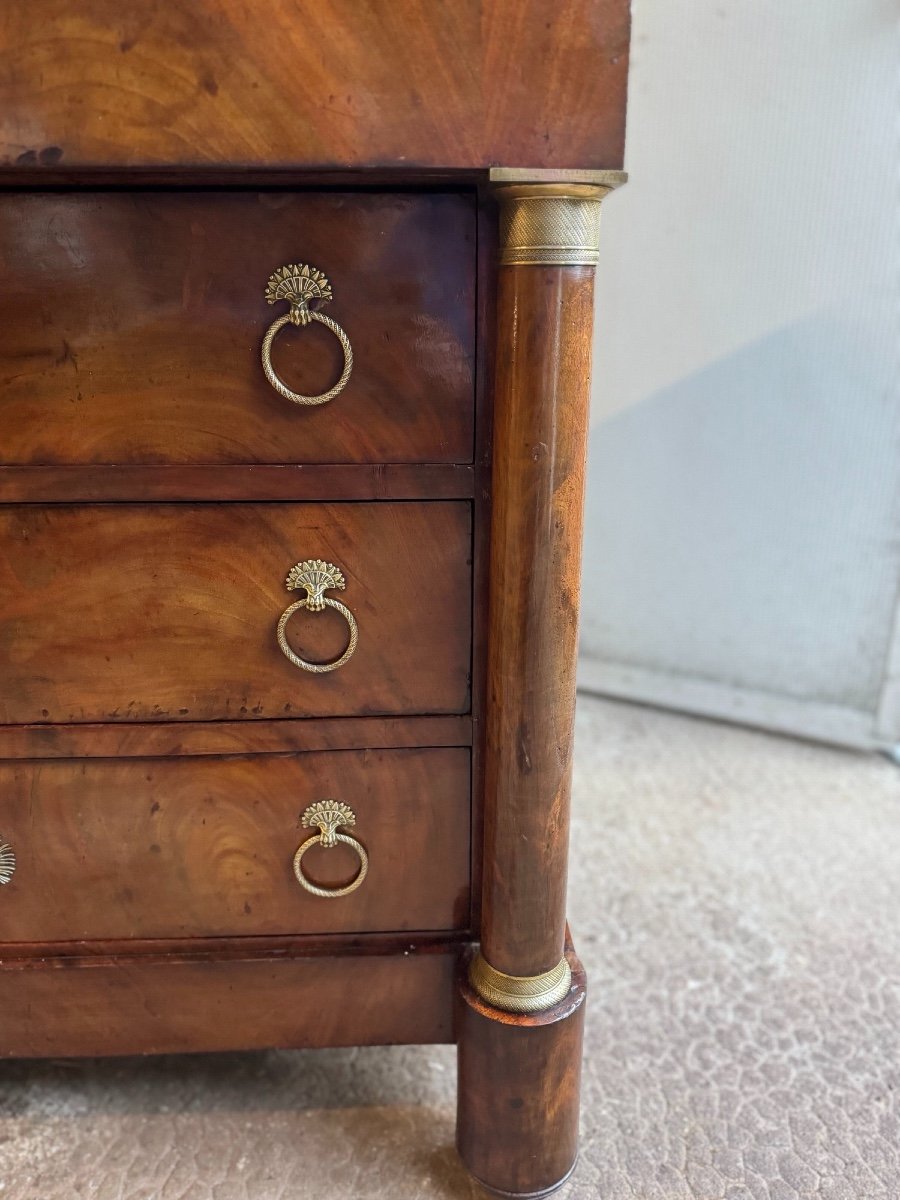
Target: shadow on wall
column 742, row 524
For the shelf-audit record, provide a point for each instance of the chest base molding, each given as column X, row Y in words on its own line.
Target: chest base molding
column 165, row 1005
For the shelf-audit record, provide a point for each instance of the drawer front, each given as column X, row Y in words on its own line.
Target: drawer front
column 170, row 611
column 197, row 847
column 131, row 326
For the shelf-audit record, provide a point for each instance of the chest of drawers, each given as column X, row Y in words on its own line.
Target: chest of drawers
column 293, row 402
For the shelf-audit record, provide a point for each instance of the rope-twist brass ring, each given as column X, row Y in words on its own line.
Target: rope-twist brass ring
column 318, row 668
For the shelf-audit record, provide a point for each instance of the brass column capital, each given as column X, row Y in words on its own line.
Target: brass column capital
column 551, row 218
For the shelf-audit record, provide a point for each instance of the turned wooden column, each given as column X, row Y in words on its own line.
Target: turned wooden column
column 522, row 1004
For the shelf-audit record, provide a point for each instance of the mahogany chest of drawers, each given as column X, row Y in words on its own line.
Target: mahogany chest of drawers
column 295, row 323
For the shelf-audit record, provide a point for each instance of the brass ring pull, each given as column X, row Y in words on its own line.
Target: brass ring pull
column 301, row 285
column 316, row 577
column 328, row 815
column 7, row 862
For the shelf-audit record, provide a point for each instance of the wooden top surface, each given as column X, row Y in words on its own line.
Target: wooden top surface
column 312, row 84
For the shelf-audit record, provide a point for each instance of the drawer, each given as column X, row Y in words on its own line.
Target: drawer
column 202, row 847
column 170, row 611
column 131, row 325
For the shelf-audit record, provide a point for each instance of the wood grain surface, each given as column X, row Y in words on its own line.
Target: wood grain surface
column 203, row 847
column 349, row 83
column 112, row 613
column 140, row 1005
column 131, row 325
column 110, row 484
column 233, row 949
column 545, row 317
column 159, row 739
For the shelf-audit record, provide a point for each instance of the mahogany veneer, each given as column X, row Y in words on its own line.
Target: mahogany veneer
column 170, row 1004
column 348, row 84
column 162, row 755
column 130, row 326
column 166, row 612
column 202, row 847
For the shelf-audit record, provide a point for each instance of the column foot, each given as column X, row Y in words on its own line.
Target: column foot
column 526, row 1195
column 519, row 1083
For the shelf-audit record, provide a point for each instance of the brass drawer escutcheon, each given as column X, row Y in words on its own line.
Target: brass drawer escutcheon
column 316, row 577
column 302, row 286
column 329, row 815
column 7, row 862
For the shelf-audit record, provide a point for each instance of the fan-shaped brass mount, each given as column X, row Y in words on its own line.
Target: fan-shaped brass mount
column 315, row 576
column 300, row 285
column 328, row 816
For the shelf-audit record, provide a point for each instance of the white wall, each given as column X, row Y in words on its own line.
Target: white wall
column 742, row 551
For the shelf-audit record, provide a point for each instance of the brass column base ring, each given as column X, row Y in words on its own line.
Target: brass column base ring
column 520, row 993
column 317, row 668
column 304, row 318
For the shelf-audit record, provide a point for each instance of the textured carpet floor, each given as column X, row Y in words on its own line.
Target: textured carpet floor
column 735, row 897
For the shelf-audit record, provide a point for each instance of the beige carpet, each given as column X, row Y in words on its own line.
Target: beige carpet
column 736, row 898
